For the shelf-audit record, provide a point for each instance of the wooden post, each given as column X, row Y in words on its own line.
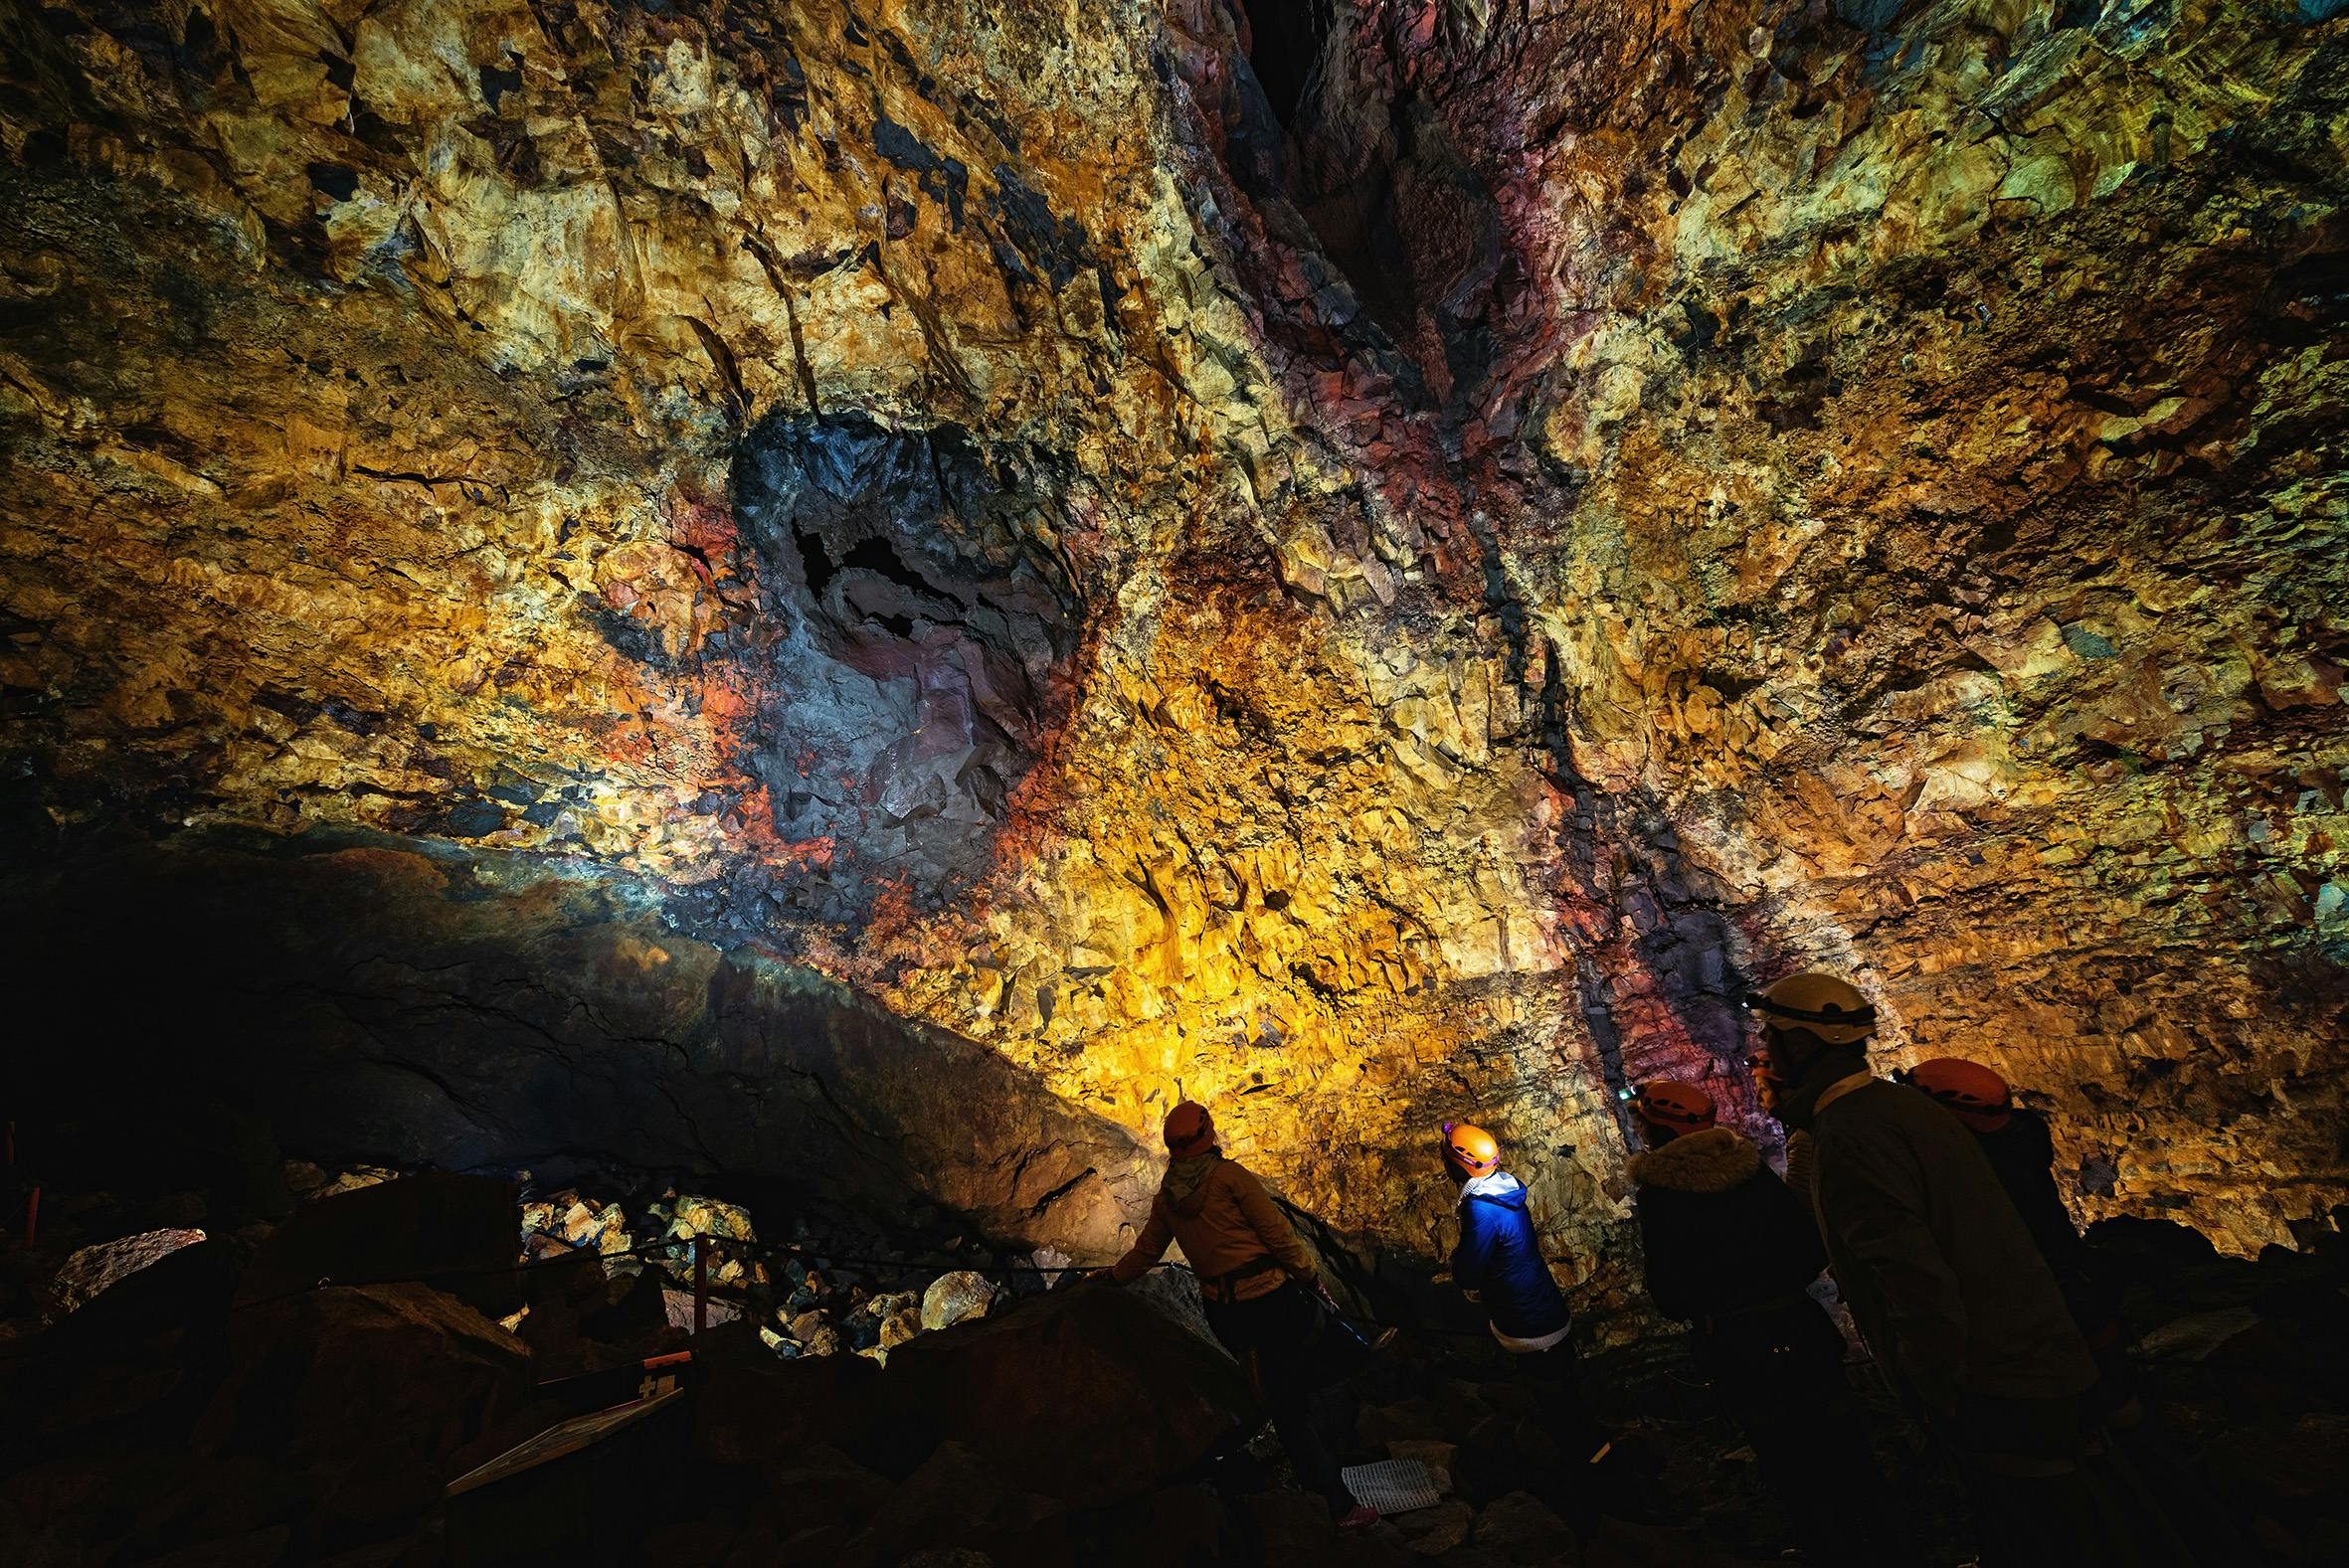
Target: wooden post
column 701, row 1282
column 32, row 1217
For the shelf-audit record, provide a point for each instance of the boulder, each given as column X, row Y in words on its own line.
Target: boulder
column 189, row 1288
column 455, row 1233
column 1172, row 1527
column 890, row 1304
column 756, row 1408
column 1087, row 1394
column 94, row 1270
column 1294, row 1529
column 678, row 1307
column 1435, row 1531
column 382, row 1377
column 955, row 1298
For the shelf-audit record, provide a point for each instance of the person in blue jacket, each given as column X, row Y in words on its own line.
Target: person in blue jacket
column 1497, row 1264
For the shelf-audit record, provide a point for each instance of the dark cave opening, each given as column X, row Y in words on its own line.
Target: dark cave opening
column 1284, row 46
column 872, row 554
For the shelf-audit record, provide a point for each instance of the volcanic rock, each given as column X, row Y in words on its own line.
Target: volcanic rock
column 390, row 1376
column 898, row 1328
column 958, row 1500
column 1086, row 1394
column 94, row 1270
column 756, row 1408
column 678, row 1307
column 952, row 1298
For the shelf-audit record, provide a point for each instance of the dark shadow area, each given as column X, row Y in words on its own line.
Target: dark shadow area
column 1284, row 46
column 196, row 1012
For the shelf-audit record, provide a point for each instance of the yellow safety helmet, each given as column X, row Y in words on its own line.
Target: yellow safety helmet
column 1819, row 1004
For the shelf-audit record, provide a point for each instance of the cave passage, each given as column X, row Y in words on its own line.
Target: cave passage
column 1285, row 39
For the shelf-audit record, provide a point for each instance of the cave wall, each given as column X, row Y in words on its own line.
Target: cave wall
column 1393, row 597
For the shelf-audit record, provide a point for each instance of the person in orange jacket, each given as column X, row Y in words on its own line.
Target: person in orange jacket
column 1255, row 1281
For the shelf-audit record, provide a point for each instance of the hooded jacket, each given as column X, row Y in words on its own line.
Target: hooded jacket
column 1941, row 1273
column 1722, row 1234
column 1499, row 1262
column 1226, row 1221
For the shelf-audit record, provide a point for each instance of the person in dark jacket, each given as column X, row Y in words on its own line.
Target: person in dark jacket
column 1941, row 1277
column 2021, row 1150
column 1732, row 1253
column 1497, row 1264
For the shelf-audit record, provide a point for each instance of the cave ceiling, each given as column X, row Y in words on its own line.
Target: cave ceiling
column 1374, row 564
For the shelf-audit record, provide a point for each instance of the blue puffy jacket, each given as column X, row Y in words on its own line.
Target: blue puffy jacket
column 1499, row 1261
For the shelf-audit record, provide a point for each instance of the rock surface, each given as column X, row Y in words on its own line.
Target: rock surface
column 92, row 1271
column 956, row 1298
column 641, row 577
column 1087, row 1394
column 358, row 1376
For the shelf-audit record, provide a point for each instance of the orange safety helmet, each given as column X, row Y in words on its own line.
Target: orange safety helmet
column 1471, row 1149
column 1189, row 1129
column 1979, row 1095
column 1676, row 1108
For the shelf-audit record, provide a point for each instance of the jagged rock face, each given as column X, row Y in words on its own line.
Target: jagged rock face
column 1388, row 596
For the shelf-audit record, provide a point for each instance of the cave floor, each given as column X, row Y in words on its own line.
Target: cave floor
column 148, row 1437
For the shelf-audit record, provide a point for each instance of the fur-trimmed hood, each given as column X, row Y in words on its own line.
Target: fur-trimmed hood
column 1714, row 1160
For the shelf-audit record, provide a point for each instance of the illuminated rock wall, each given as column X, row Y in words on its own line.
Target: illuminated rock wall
column 1385, row 581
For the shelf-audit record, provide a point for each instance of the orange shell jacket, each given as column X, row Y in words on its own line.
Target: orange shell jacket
column 1225, row 1219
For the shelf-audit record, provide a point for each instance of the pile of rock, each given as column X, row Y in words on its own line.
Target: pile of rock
column 871, row 1325
column 802, row 1301
column 566, row 1222
column 681, row 1218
